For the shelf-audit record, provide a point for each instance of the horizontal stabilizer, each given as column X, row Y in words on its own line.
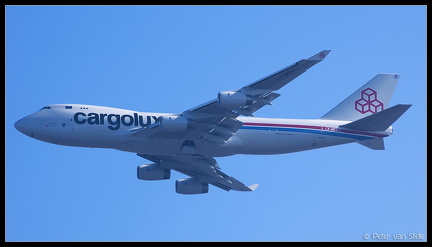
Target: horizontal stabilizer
column 379, row 121
column 375, row 144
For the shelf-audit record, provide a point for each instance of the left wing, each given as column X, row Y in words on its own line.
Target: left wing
column 215, row 120
column 246, row 100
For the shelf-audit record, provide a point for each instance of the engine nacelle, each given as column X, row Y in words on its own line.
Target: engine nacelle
column 152, row 172
column 175, row 123
column 190, row 186
column 230, row 99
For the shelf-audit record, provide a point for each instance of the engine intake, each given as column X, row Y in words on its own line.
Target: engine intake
column 230, row 99
column 190, row 186
column 175, row 123
column 152, row 172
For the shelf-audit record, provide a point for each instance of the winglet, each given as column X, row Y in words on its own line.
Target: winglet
column 253, row 187
column 320, row 55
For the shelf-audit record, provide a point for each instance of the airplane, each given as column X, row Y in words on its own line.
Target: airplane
column 188, row 142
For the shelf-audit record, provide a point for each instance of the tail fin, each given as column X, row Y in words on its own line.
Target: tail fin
column 372, row 97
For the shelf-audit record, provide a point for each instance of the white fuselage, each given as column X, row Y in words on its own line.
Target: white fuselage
column 105, row 127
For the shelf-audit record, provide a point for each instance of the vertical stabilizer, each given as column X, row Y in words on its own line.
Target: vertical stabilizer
column 372, row 97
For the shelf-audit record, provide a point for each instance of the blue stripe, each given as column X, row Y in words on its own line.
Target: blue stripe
column 310, row 131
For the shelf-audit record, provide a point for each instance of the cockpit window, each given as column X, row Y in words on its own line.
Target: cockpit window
column 68, row 107
column 45, row 107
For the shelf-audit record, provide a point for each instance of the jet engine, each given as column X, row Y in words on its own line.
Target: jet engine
column 190, row 186
column 230, row 99
column 175, row 123
column 152, row 172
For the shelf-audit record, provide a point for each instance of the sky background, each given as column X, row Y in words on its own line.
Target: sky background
column 172, row 58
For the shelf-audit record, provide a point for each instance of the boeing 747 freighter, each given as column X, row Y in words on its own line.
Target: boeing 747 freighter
column 187, row 142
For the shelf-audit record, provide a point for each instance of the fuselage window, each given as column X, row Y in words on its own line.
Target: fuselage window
column 68, row 107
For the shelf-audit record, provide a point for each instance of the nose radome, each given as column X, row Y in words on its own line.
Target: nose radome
column 23, row 126
column 19, row 125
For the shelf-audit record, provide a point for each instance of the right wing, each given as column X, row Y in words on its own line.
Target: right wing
column 204, row 169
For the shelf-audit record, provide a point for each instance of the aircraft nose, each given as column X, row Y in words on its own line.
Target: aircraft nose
column 19, row 125
column 24, row 126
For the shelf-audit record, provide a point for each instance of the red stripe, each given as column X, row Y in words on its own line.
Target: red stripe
column 283, row 125
column 360, row 133
column 313, row 127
